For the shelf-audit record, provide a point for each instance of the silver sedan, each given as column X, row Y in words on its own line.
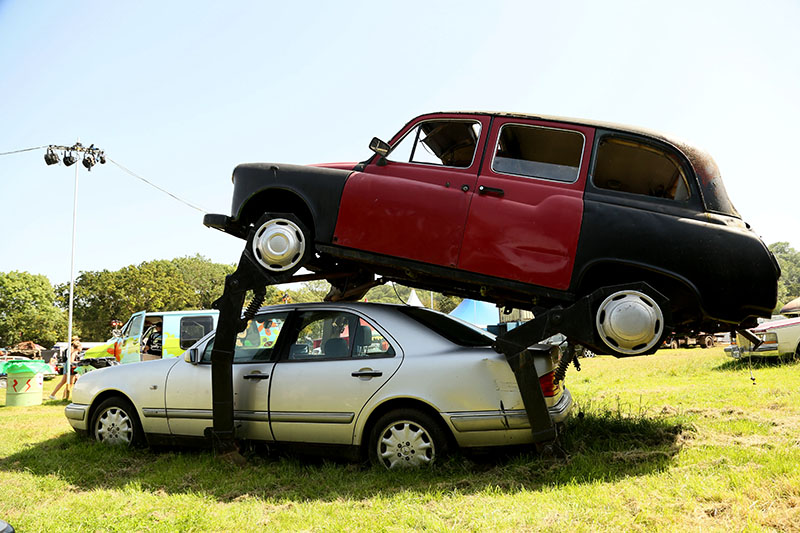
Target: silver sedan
column 402, row 385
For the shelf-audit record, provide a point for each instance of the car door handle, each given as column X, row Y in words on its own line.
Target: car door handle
column 491, row 190
column 367, row 374
column 256, row 376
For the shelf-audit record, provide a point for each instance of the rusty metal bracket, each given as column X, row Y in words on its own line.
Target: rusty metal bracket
column 576, row 322
column 248, row 276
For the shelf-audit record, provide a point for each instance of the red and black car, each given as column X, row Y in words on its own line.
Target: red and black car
column 524, row 211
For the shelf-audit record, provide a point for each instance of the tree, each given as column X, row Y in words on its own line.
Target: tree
column 309, row 291
column 28, row 311
column 160, row 285
column 207, row 279
column 789, row 282
column 315, row 291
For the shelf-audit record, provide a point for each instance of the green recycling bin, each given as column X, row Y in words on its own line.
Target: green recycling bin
column 24, row 381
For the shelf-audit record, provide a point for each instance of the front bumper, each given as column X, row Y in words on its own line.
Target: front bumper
column 77, row 415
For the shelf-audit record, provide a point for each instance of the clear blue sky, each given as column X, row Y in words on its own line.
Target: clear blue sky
column 181, row 92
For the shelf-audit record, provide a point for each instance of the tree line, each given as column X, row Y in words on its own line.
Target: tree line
column 33, row 309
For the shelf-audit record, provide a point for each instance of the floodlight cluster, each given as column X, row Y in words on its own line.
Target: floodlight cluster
column 91, row 155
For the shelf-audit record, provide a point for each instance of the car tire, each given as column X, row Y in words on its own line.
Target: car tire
column 406, row 438
column 708, row 341
column 673, row 345
column 281, row 243
column 115, row 422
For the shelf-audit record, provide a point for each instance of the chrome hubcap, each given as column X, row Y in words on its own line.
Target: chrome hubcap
column 405, row 444
column 114, row 426
column 279, row 245
column 630, row 322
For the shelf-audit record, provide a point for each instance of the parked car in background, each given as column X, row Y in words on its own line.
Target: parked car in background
column 778, row 337
column 398, row 384
column 689, row 340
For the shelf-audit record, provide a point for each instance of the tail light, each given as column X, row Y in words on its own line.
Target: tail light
column 550, row 387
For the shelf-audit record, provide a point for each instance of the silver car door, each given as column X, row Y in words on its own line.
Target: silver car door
column 336, row 361
column 188, row 395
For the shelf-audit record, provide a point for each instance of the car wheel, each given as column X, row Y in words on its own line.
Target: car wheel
column 708, row 342
column 674, row 345
column 629, row 322
column 115, row 422
column 281, row 243
column 406, row 438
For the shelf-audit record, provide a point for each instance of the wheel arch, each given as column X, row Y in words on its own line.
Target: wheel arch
column 606, row 272
column 403, row 403
column 105, row 395
column 277, row 200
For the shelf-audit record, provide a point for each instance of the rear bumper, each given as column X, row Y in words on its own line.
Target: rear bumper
column 508, row 419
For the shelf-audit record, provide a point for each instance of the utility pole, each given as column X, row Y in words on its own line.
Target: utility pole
column 91, row 156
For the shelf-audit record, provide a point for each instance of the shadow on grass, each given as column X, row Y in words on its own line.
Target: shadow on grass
column 596, row 446
column 759, row 361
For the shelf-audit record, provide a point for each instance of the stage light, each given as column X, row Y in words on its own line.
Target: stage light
column 70, row 159
column 88, row 161
column 51, row 158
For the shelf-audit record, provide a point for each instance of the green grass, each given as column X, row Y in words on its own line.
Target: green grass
column 678, row 441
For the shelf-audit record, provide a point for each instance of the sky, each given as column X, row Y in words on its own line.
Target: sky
column 181, row 92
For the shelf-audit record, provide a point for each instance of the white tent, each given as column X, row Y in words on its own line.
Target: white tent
column 414, row 300
column 482, row 314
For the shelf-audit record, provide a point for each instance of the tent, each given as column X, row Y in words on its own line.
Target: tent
column 414, row 300
column 482, row 314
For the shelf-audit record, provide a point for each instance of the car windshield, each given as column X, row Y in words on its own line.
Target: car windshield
column 451, row 329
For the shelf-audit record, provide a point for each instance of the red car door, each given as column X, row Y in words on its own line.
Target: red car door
column 415, row 206
column 525, row 216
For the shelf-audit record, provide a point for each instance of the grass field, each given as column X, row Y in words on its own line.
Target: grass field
column 677, row 441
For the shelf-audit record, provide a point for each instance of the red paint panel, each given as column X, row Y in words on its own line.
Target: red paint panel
column 409, row 210
column 404, row 212
column 530, row 233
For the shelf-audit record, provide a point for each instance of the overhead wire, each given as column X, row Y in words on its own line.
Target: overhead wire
column 128, row 171
column 157, row 187
column 24, row 150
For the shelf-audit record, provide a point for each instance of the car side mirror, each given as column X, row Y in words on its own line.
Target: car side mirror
column 381, row 148
column 191, row 355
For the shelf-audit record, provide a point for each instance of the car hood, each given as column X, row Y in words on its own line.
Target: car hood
column 776, row 324
column 142, row 381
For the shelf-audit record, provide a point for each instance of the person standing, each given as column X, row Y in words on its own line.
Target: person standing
column 72, row 356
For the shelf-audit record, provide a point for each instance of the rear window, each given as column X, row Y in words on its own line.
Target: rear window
column 451, row 329
column 194, row 328
column 629, row 166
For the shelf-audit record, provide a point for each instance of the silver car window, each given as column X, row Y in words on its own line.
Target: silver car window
column 327, row 334
column 257, row 342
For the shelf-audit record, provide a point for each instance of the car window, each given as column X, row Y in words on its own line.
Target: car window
column 194, row 328
column 135, row 326
column 451, row 329
column 449, row 143
column 633, row 167
column 257, row 342
column 324, row 335
column 538, row 152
